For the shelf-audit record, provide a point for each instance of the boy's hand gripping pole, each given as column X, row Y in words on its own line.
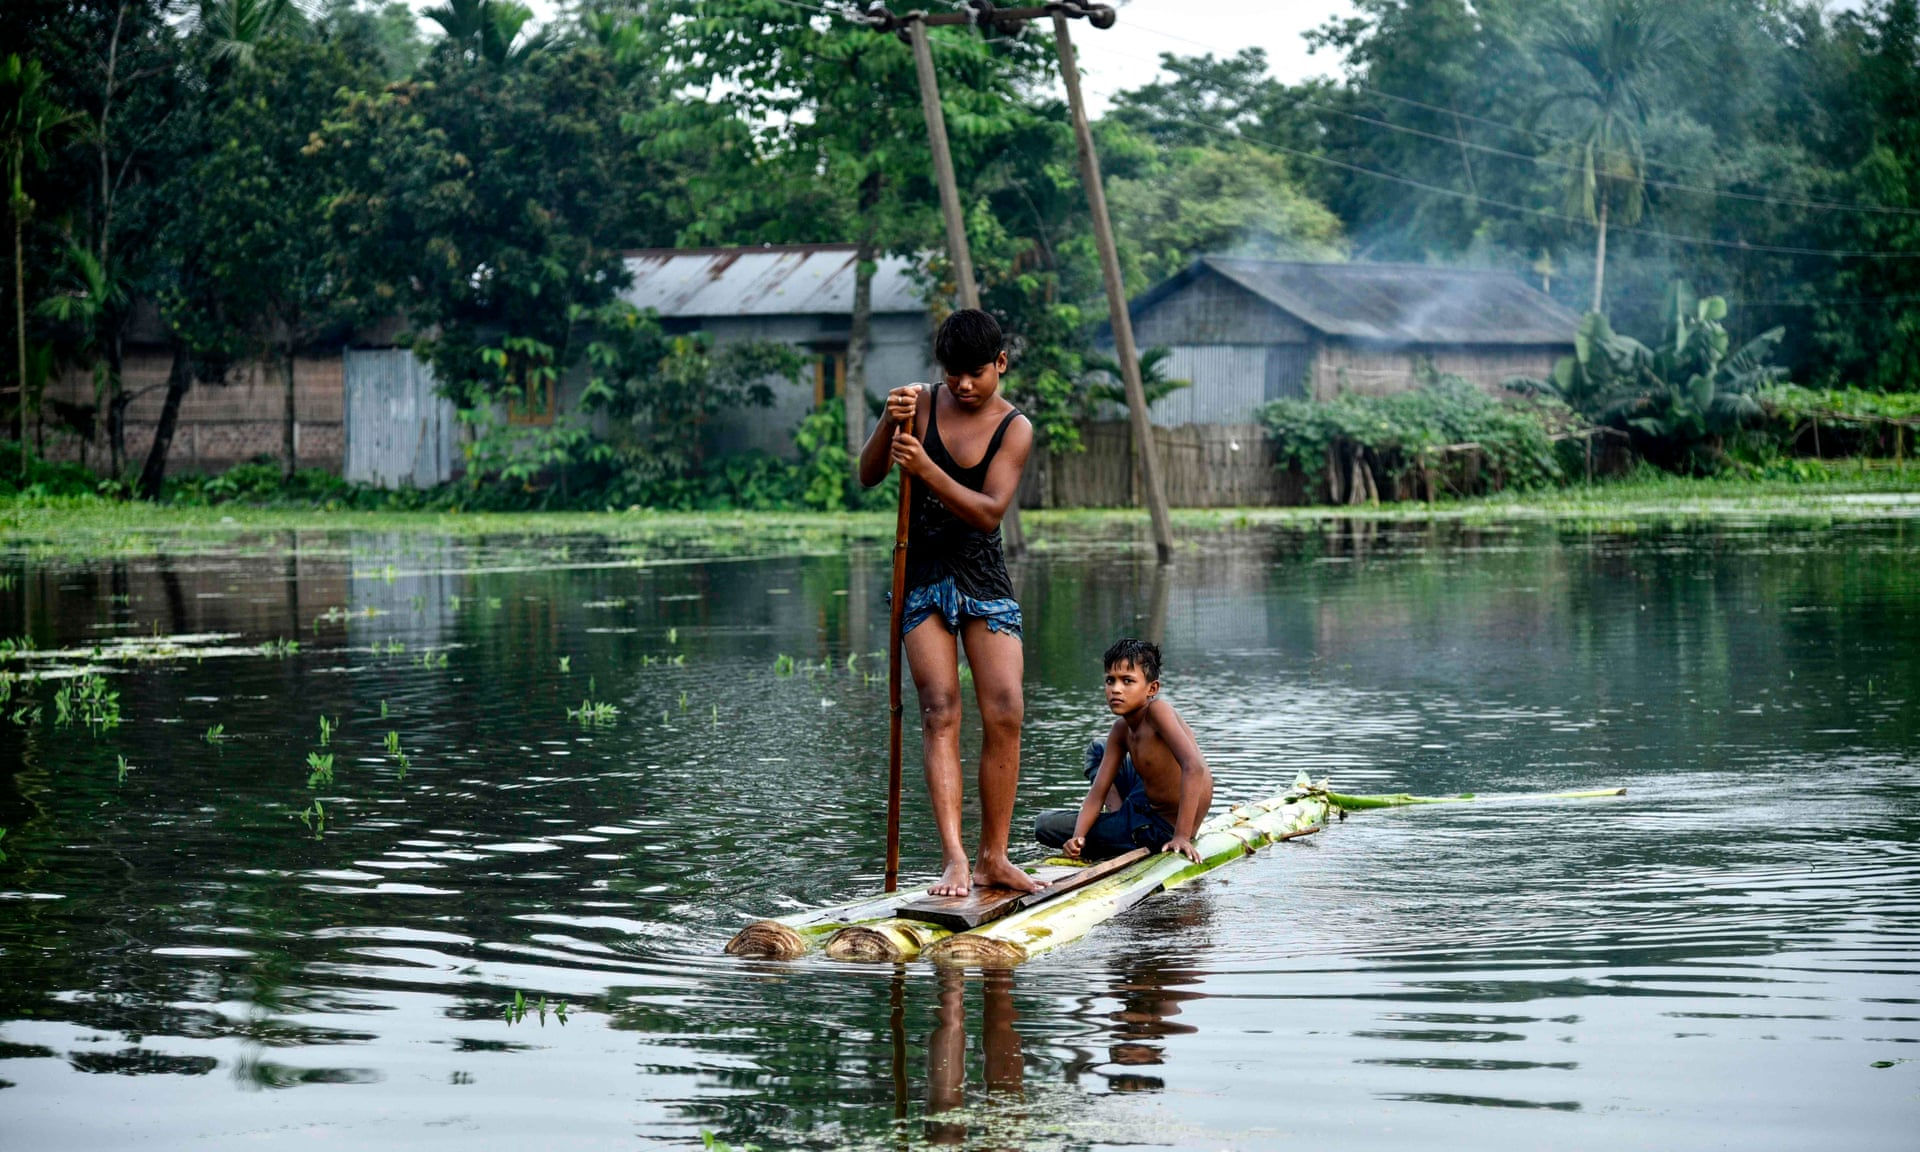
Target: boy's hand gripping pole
column 895, row 642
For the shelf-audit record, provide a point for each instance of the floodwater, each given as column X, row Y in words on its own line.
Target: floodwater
column 1725, row 957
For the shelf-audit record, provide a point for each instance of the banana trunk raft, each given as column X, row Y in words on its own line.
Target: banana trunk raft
column 870, row 928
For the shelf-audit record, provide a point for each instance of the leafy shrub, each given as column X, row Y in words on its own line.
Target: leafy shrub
column 1447, row 430
column 1679, row 400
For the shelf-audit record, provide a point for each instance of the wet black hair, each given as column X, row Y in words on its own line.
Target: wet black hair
column 968, row 339
column 1142, row 654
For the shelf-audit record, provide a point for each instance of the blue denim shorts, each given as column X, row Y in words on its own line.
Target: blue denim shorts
column 942, row 597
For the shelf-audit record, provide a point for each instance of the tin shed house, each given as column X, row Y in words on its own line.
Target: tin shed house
column 798, row 294
column 1249, row 331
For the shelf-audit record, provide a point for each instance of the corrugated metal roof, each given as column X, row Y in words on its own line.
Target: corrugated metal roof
column 1397, row 303
column 795, row 279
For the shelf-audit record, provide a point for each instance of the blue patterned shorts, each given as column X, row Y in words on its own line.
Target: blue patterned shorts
column 942, row 597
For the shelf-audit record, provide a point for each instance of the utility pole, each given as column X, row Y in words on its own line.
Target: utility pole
column 958, row 252
column 913, row 28
column 1117, row 310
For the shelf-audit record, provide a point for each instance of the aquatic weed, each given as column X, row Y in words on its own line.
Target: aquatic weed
column 326, row 730
column 314, row 817
column 592, row 713
column 515, row 1010
column 399, row 757
column 120, row 776
column 566, row 663
column 215, row 734
column 322, row 765
column 280, row 646
column 783, row 665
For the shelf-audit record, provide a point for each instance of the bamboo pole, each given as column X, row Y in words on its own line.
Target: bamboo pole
column 1403, row 800
column 1118, row 313
column 895, row 642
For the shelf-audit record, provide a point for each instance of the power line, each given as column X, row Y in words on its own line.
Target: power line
column 1788, row 201
column 1675, row 237
column 951, row 45
column 1827, row 205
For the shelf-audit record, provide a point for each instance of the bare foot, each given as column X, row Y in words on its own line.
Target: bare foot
column 953, row 881
column 999, row 872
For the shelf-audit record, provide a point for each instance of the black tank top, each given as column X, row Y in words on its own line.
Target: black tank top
column 940, row 544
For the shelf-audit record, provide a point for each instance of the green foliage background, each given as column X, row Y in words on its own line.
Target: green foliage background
column 270, row 176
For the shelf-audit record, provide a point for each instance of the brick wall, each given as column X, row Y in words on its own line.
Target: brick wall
column 220, row 424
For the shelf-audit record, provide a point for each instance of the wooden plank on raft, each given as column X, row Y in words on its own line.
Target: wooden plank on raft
column 985, row 905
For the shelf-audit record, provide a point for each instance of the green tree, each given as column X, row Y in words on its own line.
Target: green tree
column 1232, row 200
column 488, row 204
column 1868, row 310
column 1614, row 51
column 28, row 121
column 487, row 31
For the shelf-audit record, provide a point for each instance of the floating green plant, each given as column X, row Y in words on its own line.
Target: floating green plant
column 593, row 713
column 399, row 757
column 280, row 646
column 383, row 709
column 326, row 730
column 783, row 665
column 15, row 646
column 322, row 765
column 215, row 734
column 713, row 1143
column 566, row 663
column 716, row 715
column 516, row 1009
column 314, row 816
column 453, row 602
column 26, row 715
column 673, row 635
column 493, row 602
column 87, row 699
column 120, row 775
column 683, row 701
column 3, row 854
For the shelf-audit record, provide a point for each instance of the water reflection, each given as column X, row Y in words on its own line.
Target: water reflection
column 1696, row 963
column 1003, row 1064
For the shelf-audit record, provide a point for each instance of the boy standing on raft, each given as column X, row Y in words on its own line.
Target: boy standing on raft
column 1151, row 786
column 958, row 591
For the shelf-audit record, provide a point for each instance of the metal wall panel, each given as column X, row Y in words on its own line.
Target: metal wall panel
column 1229, row 382
column 399, row 431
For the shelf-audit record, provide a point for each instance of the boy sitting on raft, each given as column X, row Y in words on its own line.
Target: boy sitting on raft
column 958, row 590
column 1151, row 786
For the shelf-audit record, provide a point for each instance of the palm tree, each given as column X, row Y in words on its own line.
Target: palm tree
column 1615, row 52
column 235, row 28
column 485, row 30
column 28, row 122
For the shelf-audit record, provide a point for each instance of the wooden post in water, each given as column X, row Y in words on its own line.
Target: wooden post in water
column 1123, row 347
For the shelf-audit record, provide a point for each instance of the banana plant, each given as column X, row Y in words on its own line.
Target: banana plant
column 1679, row 396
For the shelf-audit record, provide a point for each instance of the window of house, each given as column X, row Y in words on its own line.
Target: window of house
column 534, row 404
column 829, row 375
